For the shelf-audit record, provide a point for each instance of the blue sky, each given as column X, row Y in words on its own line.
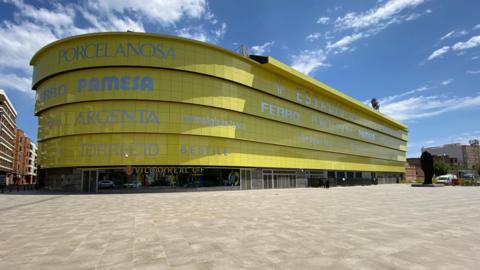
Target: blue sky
column 420, row 58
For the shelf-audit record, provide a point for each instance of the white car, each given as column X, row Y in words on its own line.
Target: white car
column 446, row 179
column 132, row 185
column 106, row 184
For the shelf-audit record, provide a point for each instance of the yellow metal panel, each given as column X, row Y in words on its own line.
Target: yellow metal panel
column 116, row 49
column 175, row 86
column 165, row 110
column 162, row 149
column 177, row 118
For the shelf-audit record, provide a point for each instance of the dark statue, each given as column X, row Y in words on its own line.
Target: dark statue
column 426, row 161
column 375, row 104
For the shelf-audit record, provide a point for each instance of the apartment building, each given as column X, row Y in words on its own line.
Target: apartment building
column 31, row 173
column 8, row 116
column 468, row 156
column 24, row 163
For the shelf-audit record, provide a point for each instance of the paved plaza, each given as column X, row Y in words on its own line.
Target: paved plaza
column 371, row 227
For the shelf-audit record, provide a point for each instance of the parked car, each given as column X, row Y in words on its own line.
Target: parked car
column 446, row 179
column 132, row 185
column 106, row 184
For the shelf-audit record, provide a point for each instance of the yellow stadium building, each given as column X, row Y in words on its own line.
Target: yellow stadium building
column 148, row 111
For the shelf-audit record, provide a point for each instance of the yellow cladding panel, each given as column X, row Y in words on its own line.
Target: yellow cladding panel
column 165, row 110
column 165, row 85
column 187, row 150
column 177, row 118
column 135, row 49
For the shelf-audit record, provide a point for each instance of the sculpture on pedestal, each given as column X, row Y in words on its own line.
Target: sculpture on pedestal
column 426, row 161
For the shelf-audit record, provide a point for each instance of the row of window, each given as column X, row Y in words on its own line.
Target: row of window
column 7, row 111
column 5, row 163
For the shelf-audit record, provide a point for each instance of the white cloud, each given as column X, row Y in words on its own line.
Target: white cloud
column 199, row 33
column 430, row 142
column 261, row 49
column 313, row 36
column 454, row 34
column 428, row 106
column 328, row 35
column 374, row 21
column 447, row 35
column 471, row 43
column 335, row 8
column 415, row 16
column 388, row 99
column 308, row 61
column 371, row 22
column 323, row 20
column 18, row 42
column 343, row 43
column 164, row 12
column 473, row 71
column 439, row 53
column 428, row 86
column 376, row 15
column 476, row 27
column 59, row 17
column 219, row 33
column 106, row 22
column 34, row 27
column 459, row 47
column 193, row 33
column 447, row 82
column 475, row 57
column 15, row 82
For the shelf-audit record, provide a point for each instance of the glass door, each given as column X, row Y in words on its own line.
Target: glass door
column 267, row 181
column 90, row 181
column 245, row 179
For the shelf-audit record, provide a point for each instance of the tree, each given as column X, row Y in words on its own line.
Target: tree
column 441, row 168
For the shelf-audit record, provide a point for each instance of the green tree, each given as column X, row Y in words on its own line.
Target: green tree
column 441, row 168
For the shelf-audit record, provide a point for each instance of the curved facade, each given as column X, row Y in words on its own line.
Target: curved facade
column 114, row 100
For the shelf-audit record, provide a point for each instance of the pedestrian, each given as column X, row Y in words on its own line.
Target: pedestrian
column 327, row 184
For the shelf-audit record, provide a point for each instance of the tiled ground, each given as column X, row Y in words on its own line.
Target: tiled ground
column 375, row 227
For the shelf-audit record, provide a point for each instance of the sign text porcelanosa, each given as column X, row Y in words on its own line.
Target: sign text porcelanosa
column 105, row 49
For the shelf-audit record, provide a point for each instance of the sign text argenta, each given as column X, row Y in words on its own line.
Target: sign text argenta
column 97, row 50
column 116, row 117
